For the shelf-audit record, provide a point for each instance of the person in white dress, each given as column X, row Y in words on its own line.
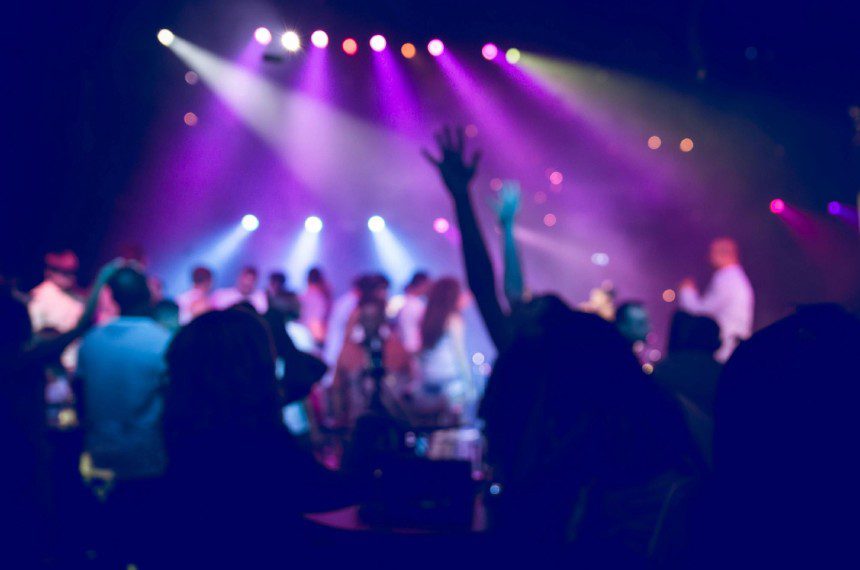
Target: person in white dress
column 445, row 372
column 729, row 298
column 412, row 312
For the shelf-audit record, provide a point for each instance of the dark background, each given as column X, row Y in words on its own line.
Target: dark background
column 82, row 88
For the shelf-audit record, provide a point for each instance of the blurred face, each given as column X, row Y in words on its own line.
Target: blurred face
column 724, row 252
column 636, row 325
column 371, row 318
column 63, row 279
column 247, row 283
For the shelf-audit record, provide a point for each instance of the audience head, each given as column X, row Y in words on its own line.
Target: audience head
column 724, row 252
column 247, row 281
column 130, row 291
column 372, row 285
column 286, row 304
column 277, row 282
column 693, row 333
column 316, row 277
column 222, row 378
column 166, row 313
column 371, row 314
column 633, row 321
column 202, row 278
column 419, row 285
column 443, row 300
column 61, row 268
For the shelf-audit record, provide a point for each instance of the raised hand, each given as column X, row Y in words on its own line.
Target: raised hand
column 456, row 170
column 508, row 203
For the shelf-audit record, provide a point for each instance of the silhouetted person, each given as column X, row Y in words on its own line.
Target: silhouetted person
column 316, row 304
column 633, row 322
column 237, row 483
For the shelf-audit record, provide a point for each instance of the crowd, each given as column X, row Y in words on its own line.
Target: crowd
column 193, row 417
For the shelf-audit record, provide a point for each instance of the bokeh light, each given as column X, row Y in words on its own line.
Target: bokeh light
column 834, row 207
column 350, row 46
column 291, row 41
column 600, row 259
column 436, row 47
column 556, row 177
column 490, row 52
column 686, row 145
column 441, row 225
column 376, row 224
column 313, row 224
column 190, row 119
column 320, row 39
column 496, row 184
column 513, row 55
column 250, row 222
column 654, row 142
column 166, row 37
column 378, row 43
column 549, row 220
column 669, row 295
column 263, row 36
column 478, row 358
column 777, row 205
column 408, row 50
column 191, row 78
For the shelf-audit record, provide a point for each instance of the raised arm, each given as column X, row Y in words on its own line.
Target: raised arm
column 457, row 173
column 506, row 209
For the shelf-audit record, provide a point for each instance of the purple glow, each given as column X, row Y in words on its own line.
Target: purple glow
column 263, row 36
column 490, row 52
column 319, row 39
column 396, row 95
column 834, row 208
column 377, row 43
column 436, row 47
column 777, row 206
column 441, row 225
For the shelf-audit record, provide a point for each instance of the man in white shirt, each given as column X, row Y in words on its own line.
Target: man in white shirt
column 729, row 298
column 196, row 300
column 244, row 291
column 410, row 316
column 53, row 303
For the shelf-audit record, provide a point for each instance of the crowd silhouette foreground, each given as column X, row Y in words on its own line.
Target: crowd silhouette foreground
column 589, row 460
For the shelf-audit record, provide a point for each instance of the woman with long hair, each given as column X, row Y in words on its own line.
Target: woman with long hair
column 445, row 372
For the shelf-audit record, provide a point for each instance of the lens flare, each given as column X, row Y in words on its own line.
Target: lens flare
column 378, row 43
column 263, row 36
column 291, row 41
column 166, row 37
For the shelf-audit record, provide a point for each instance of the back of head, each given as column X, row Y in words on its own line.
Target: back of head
column 420, row 280
column 222, row 378
column 277, row 279
column 201, row 275
column 693, row 333
column 131, row 291
column 632, row 320
column 316, row 277
column 442, row 301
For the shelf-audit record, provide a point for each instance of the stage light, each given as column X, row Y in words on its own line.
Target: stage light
column 191, row 78
column 441, row 225
column 408, row 50
column 556, row 178
column 190, row 119
column 777, row 206
column 668, row 295
column 378, row 43
column 350, row 47
column 263, row 36
column 250, row 222
column 320, row 39
column 654, row 142
column 686, row 145
column 834, row 208
column 600, row 259
column 376, row 224
column 436, row 47
column 291, row 41
column 165, row 37
column 549, row 220
column 313, row 224
column 489, row 51
column 513, row 55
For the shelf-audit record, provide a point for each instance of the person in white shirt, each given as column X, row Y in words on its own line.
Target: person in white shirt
column 412, row 313
column 371, row 285
column 729, row 298
column 53, row 303
column 196, row 300
column 244, row 291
